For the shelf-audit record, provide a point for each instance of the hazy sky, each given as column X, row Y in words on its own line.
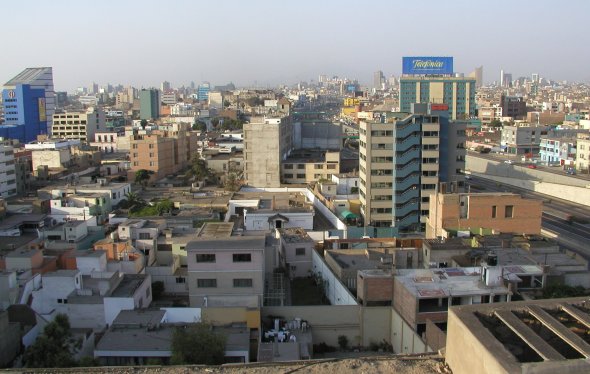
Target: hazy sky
column 145, row 42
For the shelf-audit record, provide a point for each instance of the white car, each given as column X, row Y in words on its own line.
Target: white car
column 509, row 162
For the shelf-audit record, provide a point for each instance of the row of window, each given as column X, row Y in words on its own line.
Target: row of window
column 210, row 257
column 212, row 283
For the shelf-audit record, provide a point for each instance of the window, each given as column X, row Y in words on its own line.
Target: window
column 144, row 235
column 62, row 301
column 288, row 166
column 206, row 283
column 180, row 280
column 300, row 176
column 205, row 257
column 242, row 257
column 246, row 282
column 509, row 212
column 494, row 211
column 299, row 251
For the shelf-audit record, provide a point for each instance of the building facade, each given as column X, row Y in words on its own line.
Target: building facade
column 78, row 125
column 25, row 114
column 583, row 152
column 456, row 92
column 37, row 79
column 502, row 212
column 8, row 182
column 266, row 143
column 520, row 140
column 226, row 272
column 402, row 159
column 149, row 104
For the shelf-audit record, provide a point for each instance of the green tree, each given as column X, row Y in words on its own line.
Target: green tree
column 226, row 103
column 132, row 199
column 200, row 126
column 52, row 349
column 142, row 176
column 496, row 123
column 197, row 344
column 232, row 183
column 164, row 206
column 199, row 169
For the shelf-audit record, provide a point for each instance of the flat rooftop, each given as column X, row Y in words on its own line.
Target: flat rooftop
column 295, row 235
column 430, row 283
column 129, row 284
column 139, row 317
column 216, row 230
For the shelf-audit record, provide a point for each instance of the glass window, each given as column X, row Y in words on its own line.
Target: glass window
column 246, row 282
column 206, row 283
column 205, row 257
column 242, row 257
column 299, row 251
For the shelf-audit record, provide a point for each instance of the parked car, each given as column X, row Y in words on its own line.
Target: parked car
column 531, row 166
column 509, row 162
column 571, row 171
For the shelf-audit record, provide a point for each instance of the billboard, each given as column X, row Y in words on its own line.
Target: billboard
column 42, row 110
column 427, row 65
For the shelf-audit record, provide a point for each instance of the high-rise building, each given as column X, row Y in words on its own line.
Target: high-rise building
column 501, row 78
column 266, row 142
column 378, row 80
column 165, row 86
column 32, row 99
column 431, row 80
column 458, row 93
column 203, row 91
column 149, row 104
column 535, row 77
column 478, row 75
column 7, row 170
column 24, row 113
column 507, row 82
column 403, row 157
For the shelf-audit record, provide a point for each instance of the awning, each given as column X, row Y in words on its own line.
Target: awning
column 347, row 214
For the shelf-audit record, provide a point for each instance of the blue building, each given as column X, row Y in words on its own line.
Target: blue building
column 25, row 113
column 203, row 91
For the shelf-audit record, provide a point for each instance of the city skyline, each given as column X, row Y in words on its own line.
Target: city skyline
column 265, row 43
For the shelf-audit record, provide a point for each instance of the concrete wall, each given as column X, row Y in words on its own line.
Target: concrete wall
column 403, row 338
column 335, row 291
column 465, row 353
column 497, row 168
column 375, row 325
column 327, row 321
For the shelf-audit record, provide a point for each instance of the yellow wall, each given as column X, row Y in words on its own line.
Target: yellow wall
column 226, row 316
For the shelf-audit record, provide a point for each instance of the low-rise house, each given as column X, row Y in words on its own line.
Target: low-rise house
column 295, row 252
column 420, row 294
column 227, row 271
column 138, row 336
column 91, row 301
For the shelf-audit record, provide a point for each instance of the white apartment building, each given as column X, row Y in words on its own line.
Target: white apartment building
column 7, row 171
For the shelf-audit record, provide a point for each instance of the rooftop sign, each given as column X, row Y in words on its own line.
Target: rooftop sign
column 427, row 65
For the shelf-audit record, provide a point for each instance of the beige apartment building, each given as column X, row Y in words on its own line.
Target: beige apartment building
column 583, row 153
column 227, row 271
column 305, row 166
column 164, row 151
column 501, row 212
column 78, row 125
column 267, row 142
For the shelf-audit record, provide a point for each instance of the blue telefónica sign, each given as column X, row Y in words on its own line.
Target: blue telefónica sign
column 427, row 65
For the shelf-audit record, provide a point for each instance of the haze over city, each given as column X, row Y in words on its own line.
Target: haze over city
column 267, row 42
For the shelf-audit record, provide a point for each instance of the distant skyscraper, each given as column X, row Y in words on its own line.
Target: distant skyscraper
column 149, row 104
column 165, row 86
column 32, row 102
column 535, row 77
column 378, row 80
column 478, row 75
column 507, row 83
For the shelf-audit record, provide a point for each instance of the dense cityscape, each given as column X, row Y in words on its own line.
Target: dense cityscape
column 418, row 219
